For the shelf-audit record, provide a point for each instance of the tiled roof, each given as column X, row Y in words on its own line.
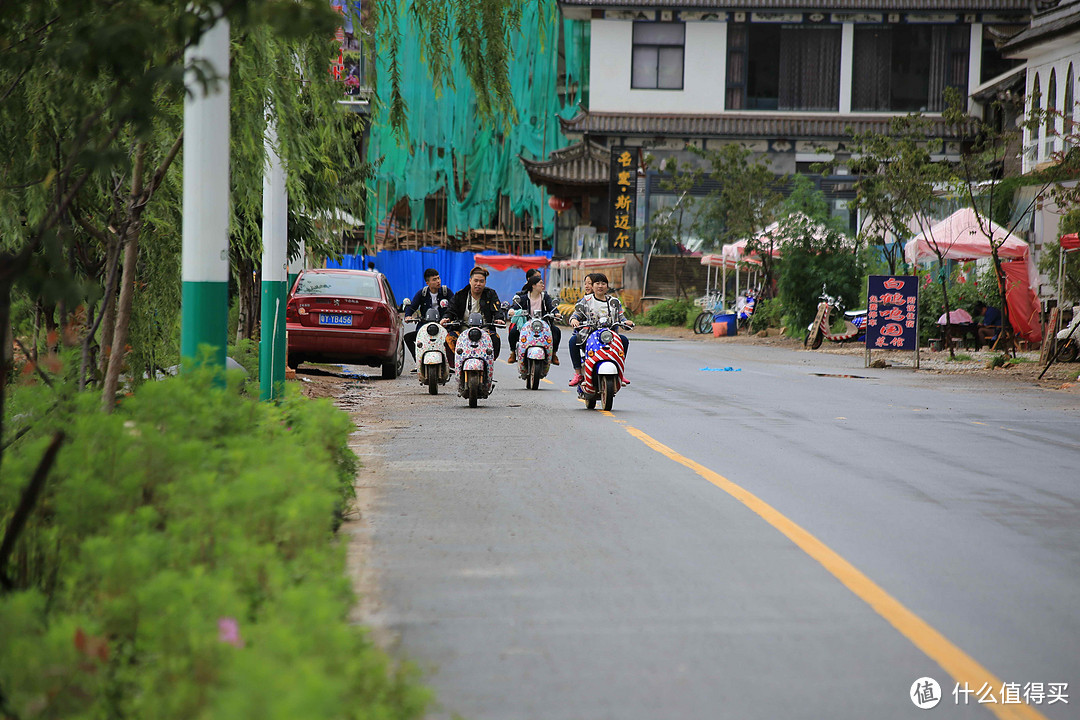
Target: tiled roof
column 1058, row 20
column 583, row 163
column 741, row 125
column 839, row 5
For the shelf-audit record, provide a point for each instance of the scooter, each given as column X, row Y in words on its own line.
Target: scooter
column 475, row 361
column 603, row 362
column 433, row 370
column 819, row 330
column 534, row 349
column 744, row 307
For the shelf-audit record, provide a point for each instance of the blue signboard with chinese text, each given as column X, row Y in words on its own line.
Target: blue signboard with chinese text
column 892, row 313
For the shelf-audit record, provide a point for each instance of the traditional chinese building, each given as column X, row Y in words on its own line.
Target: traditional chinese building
column 790, row 79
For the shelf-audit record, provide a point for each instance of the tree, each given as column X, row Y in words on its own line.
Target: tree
column 669, row 225
column 901, row 180
column 477, row 29
column 814, row 252
column 980, row 179
column 92, row 89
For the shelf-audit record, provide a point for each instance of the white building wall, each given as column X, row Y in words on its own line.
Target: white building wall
column 704, row 70
column 1055, row 61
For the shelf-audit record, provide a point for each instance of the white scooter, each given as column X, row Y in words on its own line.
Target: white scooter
column 433, row 369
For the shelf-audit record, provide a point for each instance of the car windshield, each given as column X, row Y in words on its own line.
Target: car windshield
column 365, row 286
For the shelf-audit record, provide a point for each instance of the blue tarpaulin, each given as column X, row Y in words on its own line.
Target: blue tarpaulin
column 405, row 270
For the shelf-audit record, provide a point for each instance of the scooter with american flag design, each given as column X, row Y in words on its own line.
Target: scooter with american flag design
column 603, row 362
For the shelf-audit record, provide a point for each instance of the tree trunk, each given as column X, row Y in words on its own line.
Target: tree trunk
column 246, row 299
column 106, row 314
column 123, row 318
column 127, row 282
column 945, row 297
column 108, row 310
column 1006, row 326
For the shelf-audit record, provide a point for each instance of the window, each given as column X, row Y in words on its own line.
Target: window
column 783, row 67
column 1068, row 108
column 993, row 63
column 363, row 286
column 1051, row 115
column 1032, row 149
column 906, row 68
column 658, row 56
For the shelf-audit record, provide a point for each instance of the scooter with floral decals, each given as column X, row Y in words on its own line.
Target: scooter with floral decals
column 475, row 360
column 534, row 349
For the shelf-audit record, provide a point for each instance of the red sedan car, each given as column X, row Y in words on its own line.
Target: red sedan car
column 344, row 316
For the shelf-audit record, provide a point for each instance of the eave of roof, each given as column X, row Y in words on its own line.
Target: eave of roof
column 1045, row 27
column 582, row 164
column 840, row 5
column 740, row 125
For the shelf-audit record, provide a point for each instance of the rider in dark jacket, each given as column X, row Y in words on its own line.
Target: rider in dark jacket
column 432, row 294
column 477, row 297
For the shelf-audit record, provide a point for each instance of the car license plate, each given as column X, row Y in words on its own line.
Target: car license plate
column 326, row 319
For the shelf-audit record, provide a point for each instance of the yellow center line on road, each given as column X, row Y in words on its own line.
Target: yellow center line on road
column 547, row 381
column 958, row 664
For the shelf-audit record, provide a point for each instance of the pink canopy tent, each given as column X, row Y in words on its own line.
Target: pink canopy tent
column 958, row 237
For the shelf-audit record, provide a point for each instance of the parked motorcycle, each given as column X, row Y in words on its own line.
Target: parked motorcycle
column 534, row 348
column 475, row 360
column 821, row 328
column 433, row 368
column 1068, row 341
column 603, row 362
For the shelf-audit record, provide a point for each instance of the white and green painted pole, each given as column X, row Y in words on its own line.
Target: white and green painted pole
column 275, row 259
column 205, row 266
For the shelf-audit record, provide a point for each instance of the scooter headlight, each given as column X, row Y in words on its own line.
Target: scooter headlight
column 537, row 326
column 432, row 329
column 605, row 337
column 475, row 334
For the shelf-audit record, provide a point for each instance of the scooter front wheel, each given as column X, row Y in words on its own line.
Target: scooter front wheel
column 533, row 378
column 607, row 391
column 473, row 388
column 433, row 382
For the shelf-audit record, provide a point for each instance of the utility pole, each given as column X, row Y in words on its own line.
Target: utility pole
column 275, row 258
column 205, row 266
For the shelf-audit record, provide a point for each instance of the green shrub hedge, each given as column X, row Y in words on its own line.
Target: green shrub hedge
column 672, row 312
column 181, row 562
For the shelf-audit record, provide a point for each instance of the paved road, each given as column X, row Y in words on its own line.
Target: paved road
column 800, row 538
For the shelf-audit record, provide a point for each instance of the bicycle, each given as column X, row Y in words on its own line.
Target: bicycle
column 704, row 321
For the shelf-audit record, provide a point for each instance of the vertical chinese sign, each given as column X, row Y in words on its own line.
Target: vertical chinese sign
column 622, row 194
column 892, row 316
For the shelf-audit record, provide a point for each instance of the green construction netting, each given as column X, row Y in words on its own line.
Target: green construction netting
column 444, row 129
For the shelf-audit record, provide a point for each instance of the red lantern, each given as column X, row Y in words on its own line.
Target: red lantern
column 559, row 204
